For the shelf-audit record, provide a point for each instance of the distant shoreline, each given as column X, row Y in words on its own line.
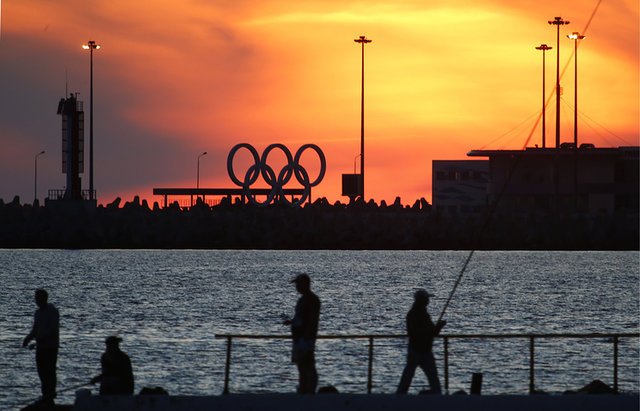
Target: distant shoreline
column 319, row 225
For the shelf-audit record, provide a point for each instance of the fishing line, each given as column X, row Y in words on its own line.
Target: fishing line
column 31, row 347
column 477, row 238
column 84, row 384
column 511, row 171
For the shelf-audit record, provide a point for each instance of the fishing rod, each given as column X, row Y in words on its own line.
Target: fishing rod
column 31, row 347
column 84, row 384
column 33, row 400
column 466, row 263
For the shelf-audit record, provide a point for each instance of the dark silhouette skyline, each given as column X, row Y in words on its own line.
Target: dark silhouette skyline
column 269, row 86
column 319, row 225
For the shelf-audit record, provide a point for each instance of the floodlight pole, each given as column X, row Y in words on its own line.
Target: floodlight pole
column 362, row 40
column 198, row 172
column 558, row 22
column 35, row 183
column 575, row 37
column 91, row 45
column 544, row 49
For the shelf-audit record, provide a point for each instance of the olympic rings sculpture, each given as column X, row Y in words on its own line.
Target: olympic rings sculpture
column 260, row 167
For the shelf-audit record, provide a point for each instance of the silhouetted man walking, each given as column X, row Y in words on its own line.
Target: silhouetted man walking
column 117, row 375
column 46, row 331
column 421, row 332
column 304, row 329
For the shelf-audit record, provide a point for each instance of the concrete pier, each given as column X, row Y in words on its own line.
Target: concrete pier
column 358, row 402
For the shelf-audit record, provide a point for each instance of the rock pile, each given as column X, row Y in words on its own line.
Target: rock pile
column 319, row 225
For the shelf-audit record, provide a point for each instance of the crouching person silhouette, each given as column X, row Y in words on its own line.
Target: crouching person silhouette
column 117, row 375
column 421, row 332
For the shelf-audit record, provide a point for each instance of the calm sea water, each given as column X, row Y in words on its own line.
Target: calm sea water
column 168, row 305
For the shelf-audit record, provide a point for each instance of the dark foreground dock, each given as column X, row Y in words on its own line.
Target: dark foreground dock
column 336, row 402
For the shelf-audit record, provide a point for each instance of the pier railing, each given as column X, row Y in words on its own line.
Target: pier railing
column 613, row 337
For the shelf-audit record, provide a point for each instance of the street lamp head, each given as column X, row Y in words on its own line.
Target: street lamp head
column 544, row 47
column 575, row 36
column 558, row 21
column 91, row 45
column 362, row 39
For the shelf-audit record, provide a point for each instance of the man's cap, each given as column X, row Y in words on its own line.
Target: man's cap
column 302, row 278
column 112, row 339
column 421, row 293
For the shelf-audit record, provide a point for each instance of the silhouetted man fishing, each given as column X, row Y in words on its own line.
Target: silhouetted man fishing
column 304, row 329
column 117, row 375
column 46, row 331
column 421, row 332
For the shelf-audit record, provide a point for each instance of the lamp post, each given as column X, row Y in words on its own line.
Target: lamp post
column 91, row 45
column 35, row 181
column 362, row 40
column 575, row 36
column 558, row 22
column 198, row 172
column 544, row 49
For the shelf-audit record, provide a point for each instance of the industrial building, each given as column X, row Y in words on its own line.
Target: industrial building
column 586, row 179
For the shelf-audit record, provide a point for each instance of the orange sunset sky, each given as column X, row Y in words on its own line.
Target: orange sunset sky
column 175, row 78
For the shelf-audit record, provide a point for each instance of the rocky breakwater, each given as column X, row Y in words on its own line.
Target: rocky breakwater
column 319, row 225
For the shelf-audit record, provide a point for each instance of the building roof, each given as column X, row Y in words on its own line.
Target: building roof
column 567, row 150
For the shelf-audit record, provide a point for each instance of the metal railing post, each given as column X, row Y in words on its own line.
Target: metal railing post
column 446, row 338
column 532, row 386
column 370, row 377
column 615, row 364
column 446, row 364
column 227, row 366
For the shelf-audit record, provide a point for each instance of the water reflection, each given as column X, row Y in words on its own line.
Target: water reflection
column 168, row 305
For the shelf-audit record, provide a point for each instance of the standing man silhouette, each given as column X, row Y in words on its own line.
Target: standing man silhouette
column 46, row 331
column 421, row 332
column 304, row 329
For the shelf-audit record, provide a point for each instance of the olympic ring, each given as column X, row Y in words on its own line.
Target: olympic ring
column 292, row 168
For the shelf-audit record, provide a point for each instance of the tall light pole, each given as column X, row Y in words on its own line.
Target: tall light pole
column 91, row 45
column 575, row 36
column 362, row 40
column 198, row 172
column 544, row 49
column 558, row 22
column 35, row 182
